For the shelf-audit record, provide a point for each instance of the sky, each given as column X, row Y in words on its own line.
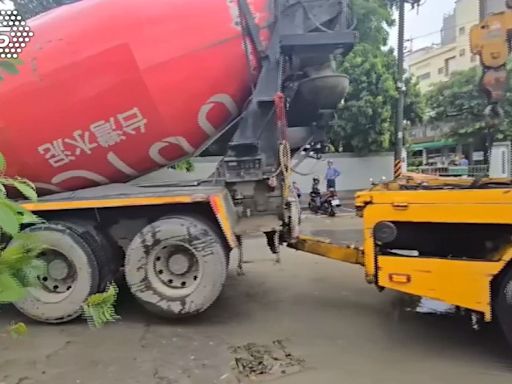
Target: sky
column 427, row 21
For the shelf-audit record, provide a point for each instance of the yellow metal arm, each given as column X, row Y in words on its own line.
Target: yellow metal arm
column 321, row 247
column 490, row 40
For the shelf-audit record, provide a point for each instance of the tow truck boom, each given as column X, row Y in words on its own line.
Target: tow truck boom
column 490, row 40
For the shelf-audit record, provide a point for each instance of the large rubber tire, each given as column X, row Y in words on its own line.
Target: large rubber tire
column 42, row 305
column 107, row 258
column 190, row 239
column 502, row 304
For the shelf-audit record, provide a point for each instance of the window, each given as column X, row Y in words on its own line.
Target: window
column 462, row 31
column 448, row 65
column 473, row 58
column 424, row 76
column 462, row 52
column 440, row 71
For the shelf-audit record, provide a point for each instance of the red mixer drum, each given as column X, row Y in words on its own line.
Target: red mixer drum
column 110, row 90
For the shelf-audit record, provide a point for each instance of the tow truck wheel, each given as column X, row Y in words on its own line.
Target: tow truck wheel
column 72, row 275
column 176, row 267
column 503, row 304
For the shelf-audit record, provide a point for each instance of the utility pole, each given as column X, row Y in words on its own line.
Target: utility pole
column 482, row 9
column 399, row 131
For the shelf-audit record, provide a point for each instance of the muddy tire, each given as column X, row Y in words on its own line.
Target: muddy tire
column 107, row 258
column 176, row 267
column 503, row 304
column 72, row 276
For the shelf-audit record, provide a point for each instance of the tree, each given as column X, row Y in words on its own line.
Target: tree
column 365, row 122
column 372, row 17
column 460, row 102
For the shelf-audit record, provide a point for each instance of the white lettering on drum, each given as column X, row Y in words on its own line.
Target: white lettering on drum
column 48, row 187
column 103, row 133
column 64, row 176
column 221, row 98
column 154, row 151
column 108, row 134
column 121, row 165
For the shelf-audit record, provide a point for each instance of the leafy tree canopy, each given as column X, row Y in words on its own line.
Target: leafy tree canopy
column 365, row 122
column 460, row 102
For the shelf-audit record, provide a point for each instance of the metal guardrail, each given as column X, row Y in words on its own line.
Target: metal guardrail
column 470, row 171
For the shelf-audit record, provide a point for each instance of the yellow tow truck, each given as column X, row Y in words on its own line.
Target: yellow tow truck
column 448, row 239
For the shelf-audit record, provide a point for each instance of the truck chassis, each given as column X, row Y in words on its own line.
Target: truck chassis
column 171, row 243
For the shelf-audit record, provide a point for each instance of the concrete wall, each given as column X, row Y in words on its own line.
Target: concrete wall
column 356, row 171
column 449, row 31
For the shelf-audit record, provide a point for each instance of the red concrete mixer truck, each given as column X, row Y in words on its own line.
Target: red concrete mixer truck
column 111, row 90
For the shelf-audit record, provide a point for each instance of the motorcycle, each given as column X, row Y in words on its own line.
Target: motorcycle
column 325, row 204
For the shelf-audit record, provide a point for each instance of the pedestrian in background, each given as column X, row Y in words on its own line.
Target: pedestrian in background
column 297, row 190
column 331, row 174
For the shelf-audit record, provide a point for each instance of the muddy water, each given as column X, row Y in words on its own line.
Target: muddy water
column 344, row 329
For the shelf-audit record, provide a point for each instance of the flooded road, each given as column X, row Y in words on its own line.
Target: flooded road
column 344, row 329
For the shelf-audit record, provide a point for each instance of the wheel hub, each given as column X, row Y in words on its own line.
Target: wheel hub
column 178, row 264
column 58, row 269
column 60, row 273
column 176, row 267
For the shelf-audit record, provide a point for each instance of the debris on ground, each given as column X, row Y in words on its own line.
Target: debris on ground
column 265, row 362
column 430, row 306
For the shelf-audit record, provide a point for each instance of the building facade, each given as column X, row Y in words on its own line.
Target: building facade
column 428, row 145
column 434, row 64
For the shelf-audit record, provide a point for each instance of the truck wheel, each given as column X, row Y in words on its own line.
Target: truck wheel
column 176, row 267
column 107, row 259
column 72, row 276
column 503, row 304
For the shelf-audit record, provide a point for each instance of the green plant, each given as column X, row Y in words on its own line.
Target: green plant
column 19, row 266
column 99, row 308
column 184, row 166
column 9, row 67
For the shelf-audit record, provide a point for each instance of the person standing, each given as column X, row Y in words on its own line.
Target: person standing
column 463, row 161
column 331, row 174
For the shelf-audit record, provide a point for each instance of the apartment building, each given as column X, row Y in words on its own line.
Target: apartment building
column 432, row 64
column 435, row 63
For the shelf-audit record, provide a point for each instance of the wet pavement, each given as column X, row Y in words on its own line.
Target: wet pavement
column 326, row 314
